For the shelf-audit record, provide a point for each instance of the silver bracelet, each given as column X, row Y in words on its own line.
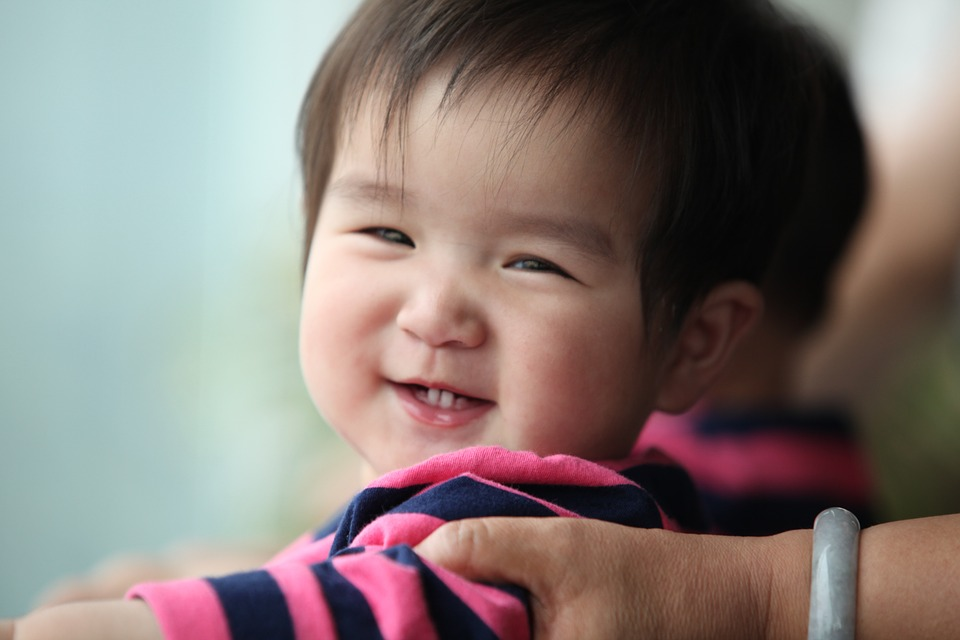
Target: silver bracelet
column 833, row 577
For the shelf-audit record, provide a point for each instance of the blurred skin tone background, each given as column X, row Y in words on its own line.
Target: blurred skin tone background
column 149, row 252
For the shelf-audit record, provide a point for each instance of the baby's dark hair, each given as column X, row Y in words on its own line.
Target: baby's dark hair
column 708, row 100
column 797, row 284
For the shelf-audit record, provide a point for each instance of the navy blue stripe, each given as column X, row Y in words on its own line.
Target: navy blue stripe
column 672, row 489
column 349, row 608
column 768, row 515
column 624, row 504
column 366, row 506
column 463, row 497
column 254, row 606
column 451, row 617
column 824, row 422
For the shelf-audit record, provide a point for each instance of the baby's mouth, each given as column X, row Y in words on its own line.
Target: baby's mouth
column 439, row 406
column 444, row 399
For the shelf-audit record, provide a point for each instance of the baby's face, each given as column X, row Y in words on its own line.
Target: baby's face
column 498, row 303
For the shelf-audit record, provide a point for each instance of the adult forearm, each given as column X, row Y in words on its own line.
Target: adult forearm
column 909, row 579
column 104, row 620
column 908, row 583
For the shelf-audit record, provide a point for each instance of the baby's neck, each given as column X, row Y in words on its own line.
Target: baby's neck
column 761, row 372
column 367, row 473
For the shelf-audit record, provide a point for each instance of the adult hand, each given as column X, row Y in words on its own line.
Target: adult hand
column 114, row 576
column 600, row 580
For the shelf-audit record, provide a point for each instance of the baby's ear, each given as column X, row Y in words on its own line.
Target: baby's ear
column 710, row 333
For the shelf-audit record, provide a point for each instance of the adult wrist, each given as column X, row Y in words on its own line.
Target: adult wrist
column 731, row 595
column 784, row 580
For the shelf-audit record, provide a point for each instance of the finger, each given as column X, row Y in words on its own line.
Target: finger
column 6, row 629
column 499, row 549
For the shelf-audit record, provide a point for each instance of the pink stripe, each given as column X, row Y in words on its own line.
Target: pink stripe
column 503, row 613
column 185, row 609
column 397, row 528
column 393, row 592
column 308, row 609
column 665, row 423
column 765, row 463
column 502, row 465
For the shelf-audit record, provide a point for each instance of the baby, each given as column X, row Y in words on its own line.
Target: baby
column 528, row 225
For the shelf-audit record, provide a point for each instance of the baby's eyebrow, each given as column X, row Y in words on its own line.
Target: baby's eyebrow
column 581, row 234
column 365, row 190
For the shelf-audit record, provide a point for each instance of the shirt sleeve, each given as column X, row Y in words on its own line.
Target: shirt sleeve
column 390, row 593
column 365, row 581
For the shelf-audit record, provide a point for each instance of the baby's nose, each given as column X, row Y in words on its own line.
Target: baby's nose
column 444, row 314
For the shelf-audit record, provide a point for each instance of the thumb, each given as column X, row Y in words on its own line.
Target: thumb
column 493, row 549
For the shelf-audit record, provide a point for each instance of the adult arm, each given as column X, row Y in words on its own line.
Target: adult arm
column 112, row 578
column 600, row 580
column 104, row 620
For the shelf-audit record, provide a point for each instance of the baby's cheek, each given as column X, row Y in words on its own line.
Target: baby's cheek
column 551, row 409
column 589, row 401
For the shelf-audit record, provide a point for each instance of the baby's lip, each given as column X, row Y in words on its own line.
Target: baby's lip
column 440, row 405
column 419, row 386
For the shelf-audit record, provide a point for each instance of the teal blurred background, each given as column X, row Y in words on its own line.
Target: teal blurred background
column 149, row 276
column 149, row 273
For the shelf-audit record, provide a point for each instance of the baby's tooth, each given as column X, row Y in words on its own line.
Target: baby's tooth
column 433, row 396
column 446, row 399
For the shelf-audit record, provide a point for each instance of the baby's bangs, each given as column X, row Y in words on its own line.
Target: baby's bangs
column 526, row 50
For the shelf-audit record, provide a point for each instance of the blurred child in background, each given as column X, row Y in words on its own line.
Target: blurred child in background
column 764, row 459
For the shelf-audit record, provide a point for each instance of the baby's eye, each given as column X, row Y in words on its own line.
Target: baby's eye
column 537, row 264
column 389, row 235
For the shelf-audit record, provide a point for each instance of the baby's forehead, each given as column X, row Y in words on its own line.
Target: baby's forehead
column 506, row 118
column 505, row 108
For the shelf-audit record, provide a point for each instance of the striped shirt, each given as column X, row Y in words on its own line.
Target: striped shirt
column 761, row 472
column 360, row 577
